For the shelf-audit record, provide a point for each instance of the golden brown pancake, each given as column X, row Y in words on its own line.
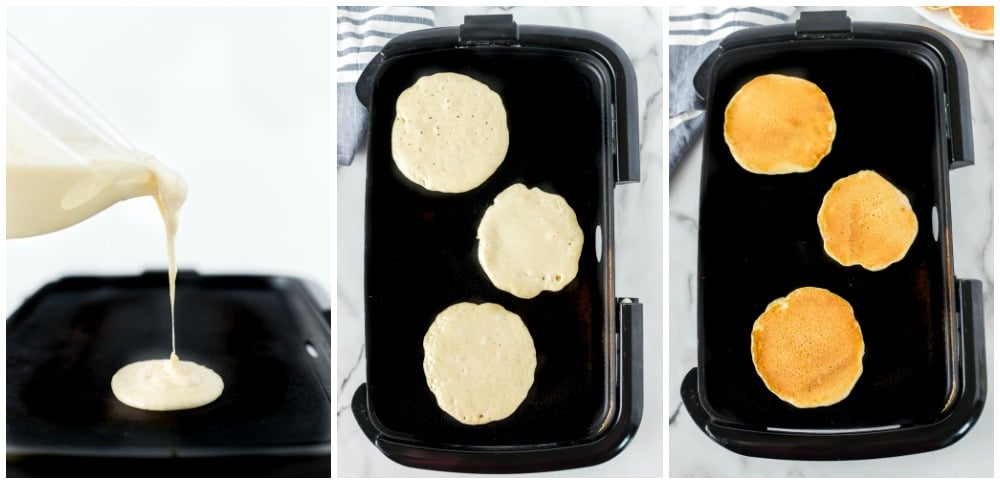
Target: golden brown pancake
column 974, row 19
column 935, row 8
column 807, row 347
column 777, row 124
column 866, row 220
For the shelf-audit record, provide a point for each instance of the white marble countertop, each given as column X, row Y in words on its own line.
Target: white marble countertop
column 638, row 250
column 691, row 453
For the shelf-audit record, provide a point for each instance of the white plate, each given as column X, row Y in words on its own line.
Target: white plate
column 942, row 18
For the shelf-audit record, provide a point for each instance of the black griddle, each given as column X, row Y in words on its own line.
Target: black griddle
column 571, row 107
column 899, row 94
column 67, row 340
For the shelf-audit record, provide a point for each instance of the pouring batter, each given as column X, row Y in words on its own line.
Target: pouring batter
column 66, row 164
column 44, row 198
column 169, row 384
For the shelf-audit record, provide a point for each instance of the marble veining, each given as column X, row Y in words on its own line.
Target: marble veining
column 638, row 248
column 691, row 453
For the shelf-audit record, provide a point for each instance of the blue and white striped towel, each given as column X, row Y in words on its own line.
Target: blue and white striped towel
column 694, row 32
column 361, row 33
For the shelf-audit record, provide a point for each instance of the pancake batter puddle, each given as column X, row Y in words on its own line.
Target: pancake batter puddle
column 166, row 384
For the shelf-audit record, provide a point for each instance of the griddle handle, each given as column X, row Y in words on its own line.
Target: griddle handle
column 826, row 24
column 491, row 29
column 959, row 111
column 704, row 74
column 366, row 81
column 764, row 442
column 631, row 364
column 625, row 123
column 692, row 400
column 359, row 405
column 973, row 315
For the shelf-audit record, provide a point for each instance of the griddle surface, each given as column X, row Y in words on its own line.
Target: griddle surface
column 67, row 341
column 421, row 249
column 759, row 240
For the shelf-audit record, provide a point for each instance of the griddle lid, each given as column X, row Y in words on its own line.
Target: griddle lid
column 500, row 31
column 836, row 26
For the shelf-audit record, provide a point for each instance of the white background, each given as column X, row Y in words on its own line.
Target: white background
column 235, row 99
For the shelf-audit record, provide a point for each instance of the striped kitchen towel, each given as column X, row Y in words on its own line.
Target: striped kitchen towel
column 694, row 32
column 361, row 33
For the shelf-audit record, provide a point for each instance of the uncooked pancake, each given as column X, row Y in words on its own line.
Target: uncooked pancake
column 777, row 124
column 450, row 132
column 866, row 220
column 807, row 348
column 529, row 241
column 479, row 361
column 166, row 384
column 974, row 19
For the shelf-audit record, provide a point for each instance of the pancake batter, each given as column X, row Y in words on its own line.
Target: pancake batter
column 450, row 132
column 479, row 361
column 167, row 384
column 529, row 241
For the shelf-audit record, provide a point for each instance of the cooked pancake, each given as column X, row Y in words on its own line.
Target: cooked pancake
column 807, row 347
column 479, row 361
column 866, row 220
column 777, row 124
column 450, row 132
column 974, row 19
column 529, row 241
column 935, row 8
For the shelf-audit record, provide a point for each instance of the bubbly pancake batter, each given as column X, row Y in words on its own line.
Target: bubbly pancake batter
column 866, row 220
column 529, row 241
column 479, row 361
column 777, row 124
column 450, row 132
column 807, row 348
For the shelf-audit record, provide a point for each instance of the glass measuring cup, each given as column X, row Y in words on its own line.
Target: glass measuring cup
column 65, row 162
